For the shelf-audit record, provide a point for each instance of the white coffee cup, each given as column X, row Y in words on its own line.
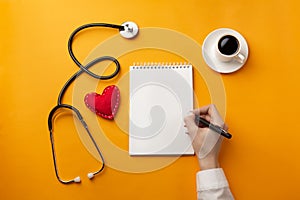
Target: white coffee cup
column 228, row 48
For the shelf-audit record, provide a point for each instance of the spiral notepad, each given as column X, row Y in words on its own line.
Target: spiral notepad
column 160, row 96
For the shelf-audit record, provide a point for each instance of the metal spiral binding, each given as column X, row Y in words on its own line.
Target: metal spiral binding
column 160, row 65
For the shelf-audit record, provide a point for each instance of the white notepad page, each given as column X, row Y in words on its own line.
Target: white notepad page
column 160, row 97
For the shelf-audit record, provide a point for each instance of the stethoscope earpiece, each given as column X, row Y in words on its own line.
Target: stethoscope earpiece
column 77, row 179
column 50, row 126
column 90, row 175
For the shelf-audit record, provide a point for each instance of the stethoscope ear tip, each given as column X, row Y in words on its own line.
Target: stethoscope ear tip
column 77, row 179
column 90, row 175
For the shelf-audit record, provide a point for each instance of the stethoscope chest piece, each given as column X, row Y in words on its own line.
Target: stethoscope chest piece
column 130, row 30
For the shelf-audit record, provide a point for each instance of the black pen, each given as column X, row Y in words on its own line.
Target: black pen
column 201, row 121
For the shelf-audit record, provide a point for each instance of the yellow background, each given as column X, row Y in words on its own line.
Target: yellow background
column 262, row 159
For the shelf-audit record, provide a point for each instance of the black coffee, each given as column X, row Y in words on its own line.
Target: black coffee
column 228, row 45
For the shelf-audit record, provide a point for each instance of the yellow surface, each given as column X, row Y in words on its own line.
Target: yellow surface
column 262, row 99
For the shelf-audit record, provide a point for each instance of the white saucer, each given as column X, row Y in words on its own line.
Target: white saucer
column 209, row 55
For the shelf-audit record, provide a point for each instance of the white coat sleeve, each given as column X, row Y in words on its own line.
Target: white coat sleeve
column 212, row 185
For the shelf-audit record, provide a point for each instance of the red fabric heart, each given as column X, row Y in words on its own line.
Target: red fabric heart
column 106, row 104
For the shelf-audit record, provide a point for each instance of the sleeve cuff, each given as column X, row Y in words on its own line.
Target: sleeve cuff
column 211, row 179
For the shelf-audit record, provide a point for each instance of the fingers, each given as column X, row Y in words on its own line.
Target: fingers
column 207, row 117
column 211, row 114
column 191, row 125
column 190, row 121
column 202, row 111
column 207, row 110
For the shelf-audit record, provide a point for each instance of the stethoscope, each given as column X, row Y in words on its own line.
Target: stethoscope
column 127, row 30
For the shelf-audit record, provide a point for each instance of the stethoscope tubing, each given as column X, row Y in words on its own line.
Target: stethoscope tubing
column 60, row 105
column 70, row 42
column 81, row 71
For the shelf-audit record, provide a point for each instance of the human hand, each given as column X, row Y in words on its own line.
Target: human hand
column 206, row 142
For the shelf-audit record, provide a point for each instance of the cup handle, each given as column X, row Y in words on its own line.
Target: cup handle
column 240, row 58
